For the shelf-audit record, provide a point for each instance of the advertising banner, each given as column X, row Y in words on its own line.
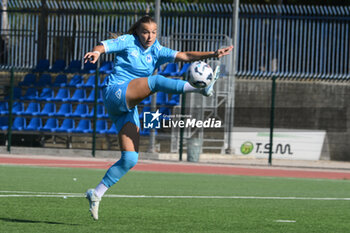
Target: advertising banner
column 287, row 144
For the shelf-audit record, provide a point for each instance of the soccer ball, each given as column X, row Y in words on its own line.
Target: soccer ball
column 200, row 74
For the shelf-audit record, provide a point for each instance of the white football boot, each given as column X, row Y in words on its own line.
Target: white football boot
column 94, row 202
column 209, row 90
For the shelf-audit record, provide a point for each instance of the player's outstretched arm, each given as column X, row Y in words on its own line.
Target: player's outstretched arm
column 95, row 54
column 195, row 56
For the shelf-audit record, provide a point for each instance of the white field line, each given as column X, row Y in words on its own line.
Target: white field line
column 60, row 164
column 30, row 192
column 285, row 221
column 66, row 195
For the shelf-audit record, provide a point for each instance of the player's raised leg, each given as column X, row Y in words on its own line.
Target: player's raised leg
column 140, row 88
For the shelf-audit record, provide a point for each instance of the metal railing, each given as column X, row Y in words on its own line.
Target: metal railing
column 288, row 41
column 294, row 41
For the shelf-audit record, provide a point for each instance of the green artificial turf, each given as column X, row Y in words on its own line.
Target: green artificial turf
column 167, row 214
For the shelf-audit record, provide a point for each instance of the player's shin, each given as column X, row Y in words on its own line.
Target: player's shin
column 127, row 161
column 173, row 86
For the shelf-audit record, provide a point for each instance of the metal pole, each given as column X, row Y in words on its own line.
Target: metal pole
column 9, row 133
column 42, row 30
column 157, row 18
column 4, row 24
column 182, row 130
column 152, row 139
column 95, row 114
column 231, row 95
column 273, row 96
column 272, row 117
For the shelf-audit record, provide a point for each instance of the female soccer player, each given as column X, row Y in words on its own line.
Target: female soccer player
column 138, row 53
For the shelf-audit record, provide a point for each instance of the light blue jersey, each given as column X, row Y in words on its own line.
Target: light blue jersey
column 132, row 60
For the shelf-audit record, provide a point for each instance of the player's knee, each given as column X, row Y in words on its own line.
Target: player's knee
column 130, row 159
column 153, row 82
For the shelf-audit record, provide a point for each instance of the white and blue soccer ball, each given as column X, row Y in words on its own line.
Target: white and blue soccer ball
column 200, row 74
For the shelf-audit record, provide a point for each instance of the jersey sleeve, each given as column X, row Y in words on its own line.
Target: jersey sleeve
column 165, row 55
column 116, row 45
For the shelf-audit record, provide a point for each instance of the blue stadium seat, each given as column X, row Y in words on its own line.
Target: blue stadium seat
column 112, row 129
column 101, row 126
column 82, row 110
column 84, row 126
column 100, row 112
column 29, row 80
column 50, row 126
column 62, row 95
column 4, row 108
column 104, row 113
column 170, row 68
column 17, row 108
column 162, row 98
column 34, row 125
column 91, row 97
column 165, row 111
column 144, row 109
column 58, row 66
column 67, row 126
column 78, row 96
column 146, row 101
column 4, row 121
column 65, row 110
column 33, row 109
column 76, row 81
column 44, row 80
column 106, row 67
column 49, row 109
column 74, row 67
column 19, row 124
column 43, row 65
column 60, row 81
column 144, row 132
column 31, row 94
column 174, row 100
column 17, row 93
column 46, row 94
column 91, row 81
column 182, row 71
column 104, row 82
column 89, row 68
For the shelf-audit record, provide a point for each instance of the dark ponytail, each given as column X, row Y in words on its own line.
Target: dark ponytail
column 135, row 26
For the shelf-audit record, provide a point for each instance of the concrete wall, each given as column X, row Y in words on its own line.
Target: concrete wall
column 322, row 105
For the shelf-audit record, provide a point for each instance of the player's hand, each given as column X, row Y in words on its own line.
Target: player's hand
column 223, row 52
column 92, row 57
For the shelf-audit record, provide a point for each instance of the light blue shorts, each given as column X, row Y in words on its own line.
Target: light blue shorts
column 117, row 108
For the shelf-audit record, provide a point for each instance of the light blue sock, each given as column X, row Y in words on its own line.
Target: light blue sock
column 167, row 85
column 127, row 161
